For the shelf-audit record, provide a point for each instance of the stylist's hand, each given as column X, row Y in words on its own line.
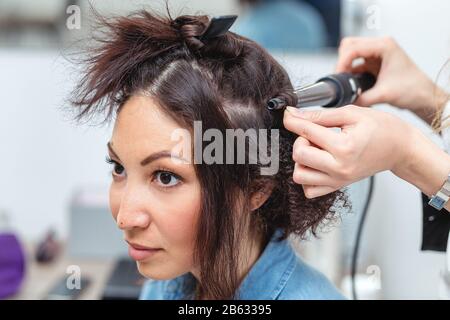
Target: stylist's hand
column 399, row 81
column 369, row 141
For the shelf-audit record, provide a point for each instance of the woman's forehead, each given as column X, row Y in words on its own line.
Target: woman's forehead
column 143, row 114
column 141, row 121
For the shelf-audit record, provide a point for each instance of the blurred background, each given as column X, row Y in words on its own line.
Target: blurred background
column 53, row 190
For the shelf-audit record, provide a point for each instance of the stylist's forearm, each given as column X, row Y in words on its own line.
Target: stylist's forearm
column 426, row 165
column 430, row 101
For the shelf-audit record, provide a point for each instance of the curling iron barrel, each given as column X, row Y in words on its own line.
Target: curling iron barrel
column 332, row 91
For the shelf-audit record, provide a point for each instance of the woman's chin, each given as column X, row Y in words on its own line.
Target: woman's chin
column 156, row 272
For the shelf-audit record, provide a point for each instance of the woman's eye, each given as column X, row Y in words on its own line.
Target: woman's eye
column 118, row 170
column 166, row 179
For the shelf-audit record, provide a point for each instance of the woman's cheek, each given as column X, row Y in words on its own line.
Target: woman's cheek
column 180, row 218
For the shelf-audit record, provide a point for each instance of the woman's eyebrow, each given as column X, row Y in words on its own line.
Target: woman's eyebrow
column 158, row 155
column 153, row 157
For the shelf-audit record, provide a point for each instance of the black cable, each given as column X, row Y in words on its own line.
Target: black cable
column 358, row 237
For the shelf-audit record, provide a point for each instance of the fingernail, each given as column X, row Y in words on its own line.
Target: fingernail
column 296, row 112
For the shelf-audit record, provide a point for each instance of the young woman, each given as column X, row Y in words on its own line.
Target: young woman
column 200, row 230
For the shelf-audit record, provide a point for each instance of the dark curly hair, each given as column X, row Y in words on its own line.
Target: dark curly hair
column 226, row 83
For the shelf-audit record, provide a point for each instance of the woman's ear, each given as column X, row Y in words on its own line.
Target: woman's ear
column 260, row 196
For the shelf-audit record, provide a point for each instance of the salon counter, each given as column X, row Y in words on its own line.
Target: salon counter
column 41, row 278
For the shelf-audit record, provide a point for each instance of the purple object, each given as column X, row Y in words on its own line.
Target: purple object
column 12, row 265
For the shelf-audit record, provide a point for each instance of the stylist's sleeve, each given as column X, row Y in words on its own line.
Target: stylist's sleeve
column 436, row 224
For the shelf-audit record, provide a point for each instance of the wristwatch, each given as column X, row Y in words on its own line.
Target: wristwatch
column 441, row 197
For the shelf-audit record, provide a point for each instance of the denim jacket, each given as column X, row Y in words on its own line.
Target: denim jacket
column 278, row 274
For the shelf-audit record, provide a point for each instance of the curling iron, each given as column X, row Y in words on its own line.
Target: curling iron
column 332, row 91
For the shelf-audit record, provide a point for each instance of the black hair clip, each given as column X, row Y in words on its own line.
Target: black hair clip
column 218, row 26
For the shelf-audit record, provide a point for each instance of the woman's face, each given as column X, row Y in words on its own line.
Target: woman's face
column 154, row 199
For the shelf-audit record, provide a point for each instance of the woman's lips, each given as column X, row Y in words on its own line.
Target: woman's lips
column 138, row 252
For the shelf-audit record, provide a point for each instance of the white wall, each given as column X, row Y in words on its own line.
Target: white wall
column 44, row 157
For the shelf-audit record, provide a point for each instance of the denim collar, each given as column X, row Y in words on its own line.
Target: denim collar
column 269, row 275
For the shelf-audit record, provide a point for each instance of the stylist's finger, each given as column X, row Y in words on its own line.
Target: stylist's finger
column 328, row 117
column 353, row 48
column 321, row 136
column 312, row 191
column 370, row 97
column 374, row 51
column 303, row 153
column 308, row 176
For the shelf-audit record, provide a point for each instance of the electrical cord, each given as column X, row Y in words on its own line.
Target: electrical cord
column 358, row 237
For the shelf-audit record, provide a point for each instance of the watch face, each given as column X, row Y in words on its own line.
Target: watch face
column 437, row 202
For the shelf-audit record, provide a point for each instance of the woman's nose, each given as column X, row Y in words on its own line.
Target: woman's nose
column 132, row 211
